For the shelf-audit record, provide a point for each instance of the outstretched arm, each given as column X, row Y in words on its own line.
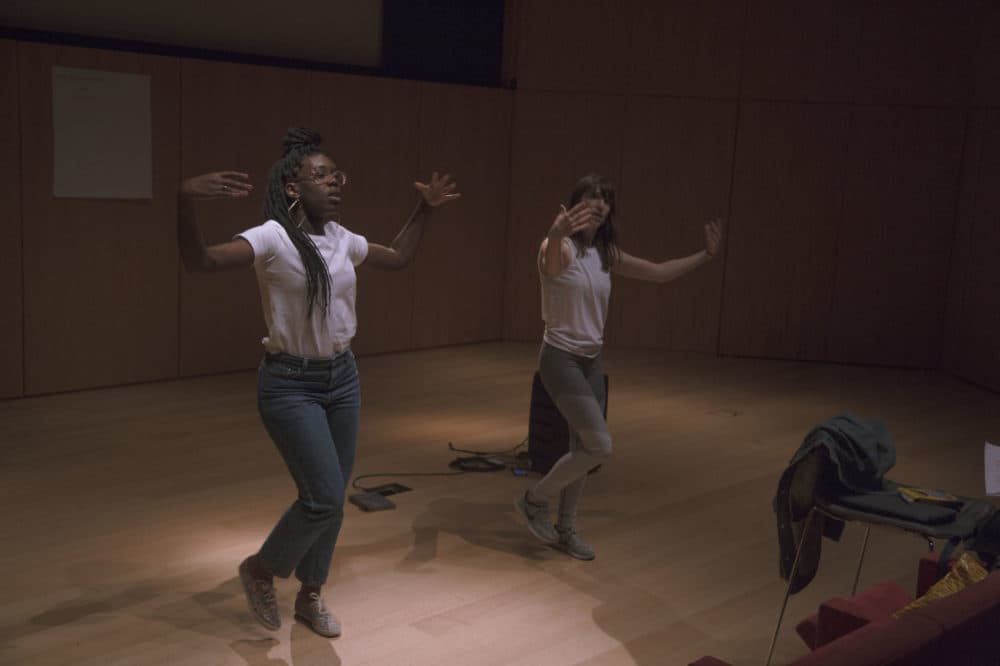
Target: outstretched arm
column 194, row 253
column 665, row 271
column 404, row 247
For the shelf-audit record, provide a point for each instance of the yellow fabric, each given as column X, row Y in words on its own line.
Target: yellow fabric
column 966, row 571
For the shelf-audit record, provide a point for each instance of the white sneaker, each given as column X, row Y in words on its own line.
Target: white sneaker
column 536, row 514
column 571, row 544
column 260, row 597
column 310, row 611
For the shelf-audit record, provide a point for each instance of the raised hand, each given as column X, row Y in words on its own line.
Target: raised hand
column 577, row 218
column 438, row 191
column 713, row 236
column 217, row 185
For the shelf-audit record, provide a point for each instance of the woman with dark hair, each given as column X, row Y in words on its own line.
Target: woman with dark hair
column 575, row 262
column 308, row 391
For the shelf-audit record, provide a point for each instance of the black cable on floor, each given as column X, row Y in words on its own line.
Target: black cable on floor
column 487, row 453
column 354, row 483
column 479, row 461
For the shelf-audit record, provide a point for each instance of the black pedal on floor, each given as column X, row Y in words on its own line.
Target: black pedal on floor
column 371, row 501
column 377, row 498
column 387, row 489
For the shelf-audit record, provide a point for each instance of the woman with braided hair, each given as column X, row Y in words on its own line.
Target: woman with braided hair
column 308, row 389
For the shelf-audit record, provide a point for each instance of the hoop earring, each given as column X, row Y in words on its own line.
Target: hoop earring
column 295, row 202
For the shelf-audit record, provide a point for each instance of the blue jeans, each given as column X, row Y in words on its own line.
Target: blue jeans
column 310, row 409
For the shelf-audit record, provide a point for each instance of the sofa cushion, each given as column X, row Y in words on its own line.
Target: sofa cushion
column 838, row 617
column 970, row 620
column 880, row 643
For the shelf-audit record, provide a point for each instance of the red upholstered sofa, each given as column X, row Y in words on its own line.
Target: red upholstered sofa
column 959, row 630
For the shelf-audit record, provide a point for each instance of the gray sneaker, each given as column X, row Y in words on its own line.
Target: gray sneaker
column 536, row 514
column 571, row 544
column 260, row 598
column 310, row 611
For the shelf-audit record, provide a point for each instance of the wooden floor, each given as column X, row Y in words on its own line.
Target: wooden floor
column 126, row 511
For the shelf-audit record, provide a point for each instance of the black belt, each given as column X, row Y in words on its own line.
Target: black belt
column 302, row 363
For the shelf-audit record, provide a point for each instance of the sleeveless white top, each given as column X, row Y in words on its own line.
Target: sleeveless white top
column 575, row 303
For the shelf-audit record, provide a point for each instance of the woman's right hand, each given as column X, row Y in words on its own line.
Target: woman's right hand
column 217, row 185
column 577, row 218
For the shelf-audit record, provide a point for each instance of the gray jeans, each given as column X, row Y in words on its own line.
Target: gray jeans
column 576, row 386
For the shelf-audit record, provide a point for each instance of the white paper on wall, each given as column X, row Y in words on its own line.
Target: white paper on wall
column 102, row 134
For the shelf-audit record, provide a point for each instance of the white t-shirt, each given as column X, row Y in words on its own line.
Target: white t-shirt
column 575, row 303
column 282, row 280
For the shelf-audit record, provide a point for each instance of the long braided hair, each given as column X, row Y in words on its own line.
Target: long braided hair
column 298, row 144
column 605, row 240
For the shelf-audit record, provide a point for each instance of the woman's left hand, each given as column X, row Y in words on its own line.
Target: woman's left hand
column 438, row 191
column 713, row 236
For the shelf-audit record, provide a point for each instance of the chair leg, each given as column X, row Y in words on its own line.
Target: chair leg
column 861, row 559
column 788, row 588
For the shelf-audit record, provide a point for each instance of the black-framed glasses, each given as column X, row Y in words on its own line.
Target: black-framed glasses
column 336, row 177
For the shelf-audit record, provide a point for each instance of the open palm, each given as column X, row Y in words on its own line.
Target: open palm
column 439, row 191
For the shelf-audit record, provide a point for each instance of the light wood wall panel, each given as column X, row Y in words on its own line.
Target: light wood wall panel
column 556, row 139
column 234, row 117
column 917, row 52
column 11, row 293
column 808, row 178
column 683, row 48
column 987, row 90
column 371, row 130
column 973, row 347
column 675, row 176
column 803, row 51
column 785, row 213
column 813, row 183
column 895, row 238
column 458, row 294
column 568, row 46
column 687, row 49
column 961, row 342
column 100, row 276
